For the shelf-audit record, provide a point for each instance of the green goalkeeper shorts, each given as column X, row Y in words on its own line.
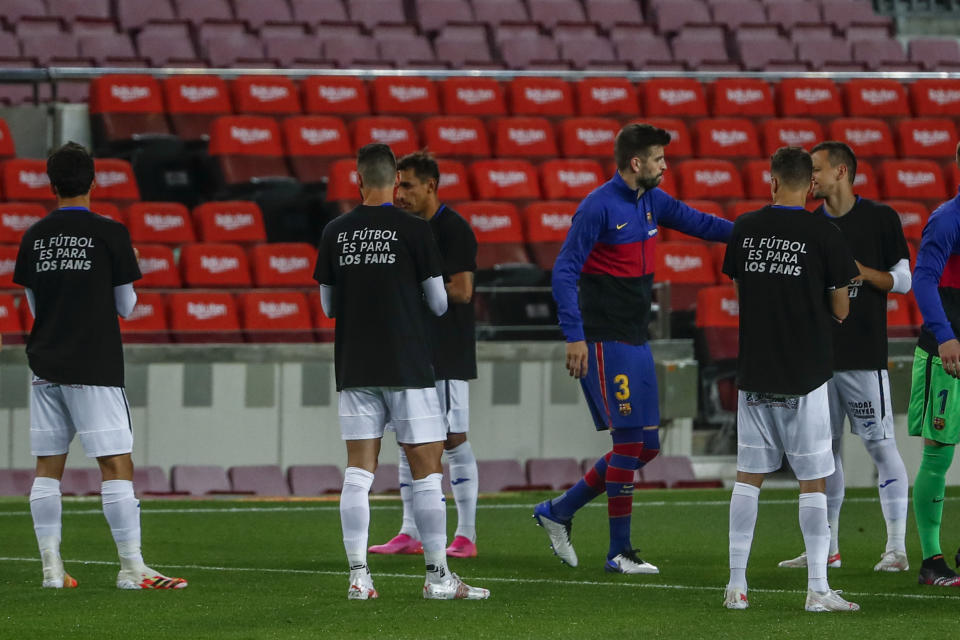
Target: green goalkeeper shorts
column 934, row 411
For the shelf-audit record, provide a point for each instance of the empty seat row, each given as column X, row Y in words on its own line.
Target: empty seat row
column 25, row 179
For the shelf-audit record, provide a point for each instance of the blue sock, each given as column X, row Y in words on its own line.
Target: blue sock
column 621, row 472
column 589, row 487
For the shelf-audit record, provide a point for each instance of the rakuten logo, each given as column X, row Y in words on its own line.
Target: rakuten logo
column 337, row 94
column 244, row 135
column 18, row 223
column 863, row 136
column 219, row 264
column 199, row 94
column 712, row 178
column 162, row 222
column 525, row 137
column 893, row 305
column 683, row 263
column 7, row 265
column 449, row 179
column 490, row 223
column 577, row 178
column 33, row 179
column 812, row 96
column 206, row 310
column 268, row 93
column 943, row 96
column 408, row 94
column 914, row 179
column 129, row 94
column 543, row 96
column 930, row 138
column 594, row 137
column 556, row 221
column 796, row 137
column 284, row 264
column 878, row 96
column 316, row 137
column 475, row 96
column 153, row 265
column 4, row 313
column 910, row 219
column 141, row 311
column 606, row 95
column 507, row 178
column 111, row 178
column 726, row 138
column 457, row 135
column 730, row 306
column 860, row 179
column 745, row 96
column 389, row 136
column 233, row 221
column 275, row 310
column 674, row 97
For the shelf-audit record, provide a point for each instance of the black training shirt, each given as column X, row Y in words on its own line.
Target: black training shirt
column 376, row 258
column 785, row 261
column 71, row 260
column 875, row 237
column 453, row 333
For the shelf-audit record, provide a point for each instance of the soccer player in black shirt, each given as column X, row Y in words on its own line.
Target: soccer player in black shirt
column 860, row 387
column 454, row 354
column 77, row 269
column 375, row 266
column 791, row 269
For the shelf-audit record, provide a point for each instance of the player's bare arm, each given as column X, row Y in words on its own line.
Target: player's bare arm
column 882, row 280
column 840, row 303
column 460, row 287
column 577, row 358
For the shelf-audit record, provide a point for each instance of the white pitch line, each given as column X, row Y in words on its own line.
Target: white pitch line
column 290, row 508
column 537, row 581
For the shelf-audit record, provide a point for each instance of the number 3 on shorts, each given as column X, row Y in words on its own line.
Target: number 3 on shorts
column 624, row 392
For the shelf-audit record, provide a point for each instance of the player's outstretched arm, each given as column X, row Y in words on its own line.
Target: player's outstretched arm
column 674, row 214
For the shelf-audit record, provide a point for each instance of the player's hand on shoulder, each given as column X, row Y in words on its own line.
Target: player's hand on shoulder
column 950, row 357
column 577, row 358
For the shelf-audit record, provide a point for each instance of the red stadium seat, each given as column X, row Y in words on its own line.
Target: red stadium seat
column 674, row 97
column 314, row 480
column 237, row 221
column 312, row 143
column 109, row 210
column 741, row 97
column 203, row 317
column 454, row 183
column 408, row 95
column 148, row 321
column 10, row 327
column 158, row 266
column 266, row 95
column 26, row 179
column 473, row 97
column 740, row 207
column 343, row 185
column 504, row 180
column 726, row 138
column 876, row 98
column 199, row 480
column 336, row 95
column 913, row 217
column 26, row 317
column 546, row 225
column 865, row 183
column 7, row 148
column 260, row 480
column 214, row 265
column 115, row 181
column 606, row 97
column 756, row 179
column 953, row 177
column 276, row 316
column 817, row 97
column 687, row 266
column 522, row 137
column 160, row 223
column 247, row 147
column 913, row 180
column 899, row 320
column 455, row 136
column 541, row 97
column 124, row 106
column 668, row 184
column 588, row 137
column 681, row 142
column 8, row 261
column 16, row 218
column 718, row 318
column 193, row 102
column 868, row 137
column 395, row 131
column 792, row 132
column 556, row 473
column 499, row 233
column 710, row 179
column 283, row 264
column 935, row 97
column 927, row 138
column 570, row 179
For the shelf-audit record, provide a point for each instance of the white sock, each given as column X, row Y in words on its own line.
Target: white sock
column 743, row 520
column 355, row 514
column 409, row 526
column 816, row 537
column 122, row 511
column 46, row 509
column 835, row 493
column 430, row 511
column 893, row 486
column 463, row 479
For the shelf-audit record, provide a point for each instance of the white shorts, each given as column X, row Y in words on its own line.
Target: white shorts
column 864, row 397
column 455, row 404
column 100, row 416
column 413, row 413
column 770, row 425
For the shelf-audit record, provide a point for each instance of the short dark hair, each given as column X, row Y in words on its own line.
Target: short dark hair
column 839, row 153
column 793, row 166
column 423, row 164
column 377, row 165
column 636, row 140
column 70, row 169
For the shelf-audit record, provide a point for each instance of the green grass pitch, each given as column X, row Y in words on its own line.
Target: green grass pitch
column 277, row 570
